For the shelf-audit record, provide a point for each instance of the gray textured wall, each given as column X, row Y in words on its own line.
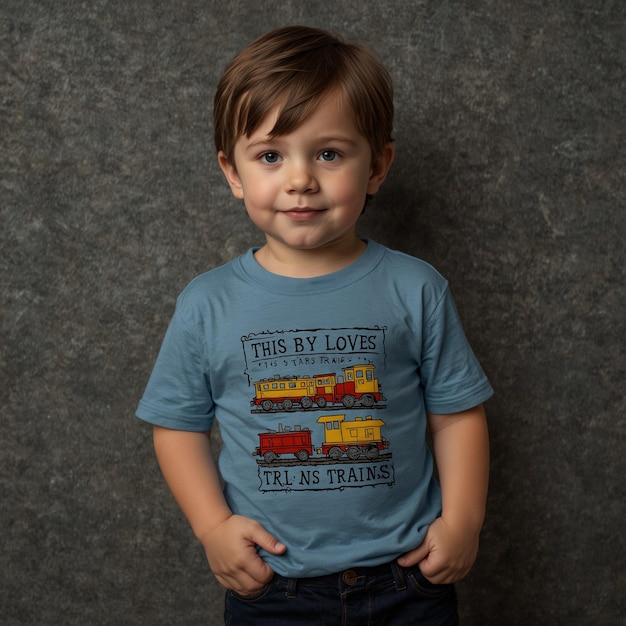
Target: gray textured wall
column 509, row 178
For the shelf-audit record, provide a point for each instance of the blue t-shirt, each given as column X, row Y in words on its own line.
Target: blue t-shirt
column 321, row 388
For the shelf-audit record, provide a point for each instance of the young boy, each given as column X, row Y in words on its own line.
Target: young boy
column 324, row 358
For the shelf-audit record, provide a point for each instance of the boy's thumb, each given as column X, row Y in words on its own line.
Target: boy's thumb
column 414, row 557
column 270, row 543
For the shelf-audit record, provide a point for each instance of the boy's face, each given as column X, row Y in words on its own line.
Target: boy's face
column 306, row 190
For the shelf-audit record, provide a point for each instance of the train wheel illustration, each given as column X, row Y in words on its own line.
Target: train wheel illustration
column 287, row 404
column 367, row 399
column 353, row 453
column 372, row 453
column 306, row 402
column 335, row 453
column 270, row 456
column 302, row 455
column 267, row 405
column 321, row 402
column 348, row 401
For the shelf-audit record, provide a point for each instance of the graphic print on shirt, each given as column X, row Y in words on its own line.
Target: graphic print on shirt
column 320, row 391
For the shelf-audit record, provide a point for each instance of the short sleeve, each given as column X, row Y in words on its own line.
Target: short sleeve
column 451, row 375
column 178, row 394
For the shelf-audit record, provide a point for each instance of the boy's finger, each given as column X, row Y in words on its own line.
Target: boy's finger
column 414, row 556
column 268, row 542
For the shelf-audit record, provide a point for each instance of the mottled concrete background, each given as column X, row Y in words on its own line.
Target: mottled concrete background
column 509, row 178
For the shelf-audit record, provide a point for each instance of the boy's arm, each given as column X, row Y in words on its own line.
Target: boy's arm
column 461, row 447
column 230, row 541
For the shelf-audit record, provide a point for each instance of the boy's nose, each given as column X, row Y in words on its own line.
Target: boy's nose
column 301, row 179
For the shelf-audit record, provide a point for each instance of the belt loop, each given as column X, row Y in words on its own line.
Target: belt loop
column 398, row 576
column 292, row 587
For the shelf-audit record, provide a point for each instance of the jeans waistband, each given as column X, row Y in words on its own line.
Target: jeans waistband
column 349, row 577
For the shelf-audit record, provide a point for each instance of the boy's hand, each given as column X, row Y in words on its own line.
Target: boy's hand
column 446, row 555
column 231, row 549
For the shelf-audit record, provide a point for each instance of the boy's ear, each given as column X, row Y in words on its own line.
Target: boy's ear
column 380, row 167
column 230, row 171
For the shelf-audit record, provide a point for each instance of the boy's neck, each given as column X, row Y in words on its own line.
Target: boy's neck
column 309, row 263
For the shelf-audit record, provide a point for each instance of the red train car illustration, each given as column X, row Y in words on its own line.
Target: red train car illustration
column 285, row 441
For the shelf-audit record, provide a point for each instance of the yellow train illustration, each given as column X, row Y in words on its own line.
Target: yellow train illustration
column 358, row 386
column 354, row 438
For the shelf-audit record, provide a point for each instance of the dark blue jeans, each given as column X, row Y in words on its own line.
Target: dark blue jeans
column 364, row 596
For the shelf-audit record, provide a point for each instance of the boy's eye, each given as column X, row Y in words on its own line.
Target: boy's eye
column 329, row 155
column 270, row 157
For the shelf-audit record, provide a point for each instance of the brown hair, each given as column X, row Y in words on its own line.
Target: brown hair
column 295, row 67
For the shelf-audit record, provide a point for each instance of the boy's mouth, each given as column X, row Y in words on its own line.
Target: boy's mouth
column 302, row 213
